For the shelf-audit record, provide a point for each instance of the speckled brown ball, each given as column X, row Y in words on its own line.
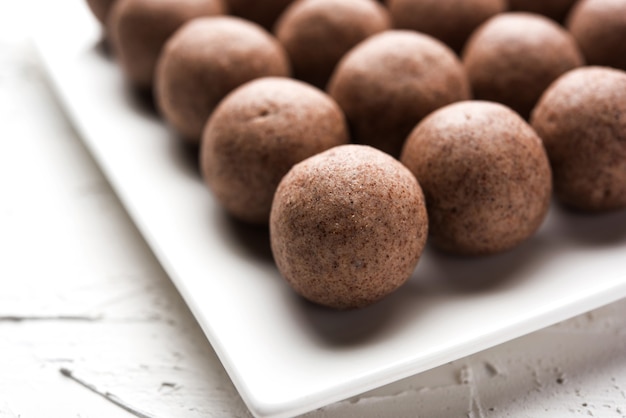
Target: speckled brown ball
column 317, row 33
column 554, row 9
column 513, row 57
column 450, row 21
column 100, row 8
column 599, row 27
column 582, row 121
column 263, row 12
column 485, row 176
column 257, row 133
column 389, row 82
column 348, row 226
column 204, row 61
column 138, row 29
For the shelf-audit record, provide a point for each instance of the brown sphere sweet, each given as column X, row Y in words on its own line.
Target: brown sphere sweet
column 450, row 21
column 485, row 175
column 513, row 57
column 554, row 9
column 100, row 8
column 348, row 226
column 389, row 82
column 138, row 29
column 257, row 133
column 263, row 12
column 599, row 27
column 582, row 121
column 317, row 33
column 204, row 61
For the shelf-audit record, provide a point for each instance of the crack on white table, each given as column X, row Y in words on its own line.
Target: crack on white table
column 114, row 399
column 467, row 378
column 169, row 387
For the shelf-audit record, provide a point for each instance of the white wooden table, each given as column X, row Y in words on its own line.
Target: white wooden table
column 91, row 326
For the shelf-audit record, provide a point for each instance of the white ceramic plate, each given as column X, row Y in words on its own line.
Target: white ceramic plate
column 284, row 355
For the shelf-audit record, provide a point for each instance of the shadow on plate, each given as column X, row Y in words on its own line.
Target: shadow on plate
column 337, row 329
column 141, row 100
column 186, row 156
column 103, row 48
column 562, row 231
column 251, row 241
column 255, row 239
column 445, row 273
column 590, row 229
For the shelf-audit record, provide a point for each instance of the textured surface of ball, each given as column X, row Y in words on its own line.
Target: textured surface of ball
column 450, row 21
column 513, row 57
column 582, row 121
column 389, row 82
column 485, row 175
column 348, row 226
column 138, row 29
column 318, row 33
column 599, row 27
column 257, row 133
column 204, row 61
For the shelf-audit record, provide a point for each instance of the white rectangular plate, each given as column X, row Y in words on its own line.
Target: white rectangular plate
column 284, row 355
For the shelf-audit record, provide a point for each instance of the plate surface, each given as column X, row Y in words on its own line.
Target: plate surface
column 286, row 356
